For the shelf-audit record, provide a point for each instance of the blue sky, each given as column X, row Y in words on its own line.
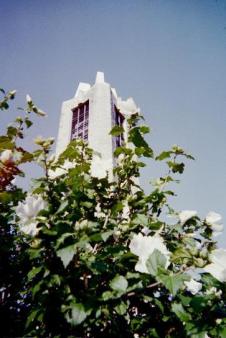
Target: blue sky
column 170, row 55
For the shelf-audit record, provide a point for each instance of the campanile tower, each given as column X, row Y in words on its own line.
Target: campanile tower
column 90, row 115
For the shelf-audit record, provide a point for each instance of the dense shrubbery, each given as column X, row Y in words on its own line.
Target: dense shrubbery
column 85, row 257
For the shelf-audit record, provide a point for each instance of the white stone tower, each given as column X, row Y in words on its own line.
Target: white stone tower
column 90, row 115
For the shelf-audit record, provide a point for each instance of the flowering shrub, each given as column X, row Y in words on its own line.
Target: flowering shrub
column 94, row 258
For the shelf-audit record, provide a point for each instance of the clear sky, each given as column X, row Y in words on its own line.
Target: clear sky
column 170, row 55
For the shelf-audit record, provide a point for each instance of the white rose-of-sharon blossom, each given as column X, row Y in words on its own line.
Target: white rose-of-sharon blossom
column 7, row 156
column 217, row 267
column 185, row 215
column 62, row 170
column 213, row 219
column 193, row 286
column 27, row 211
column 144, row 246
column 30, row 229
column 98, row 213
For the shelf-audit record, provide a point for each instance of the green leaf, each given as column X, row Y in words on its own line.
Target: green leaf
column 137, row 139
column 119, row 283
column 76, row 315
column 62, row 207
column 26, row 157
column 28, row 122
column 66, row 254
column 144, row 129
column 121, row 308
column 179, row 310
column 163, row 155
column 105, row 235
column 176, row 167
column 62, row 238
column 107, row 295
column 12, row 131
column 87, row 204
column 156, row 262
column 6, row 143
column 173, row 282
column 32, row 273
column 181, row 255
column 122, row 150
column 198, row 303
column 116, row 131
column 141, row 219
column 31, row 317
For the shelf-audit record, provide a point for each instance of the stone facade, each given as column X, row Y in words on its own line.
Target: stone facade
column 95, row 109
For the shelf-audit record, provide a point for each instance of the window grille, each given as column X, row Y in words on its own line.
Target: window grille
column 80, row 121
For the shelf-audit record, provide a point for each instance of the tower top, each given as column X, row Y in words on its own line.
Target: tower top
column 90, row 115
column 100, row 77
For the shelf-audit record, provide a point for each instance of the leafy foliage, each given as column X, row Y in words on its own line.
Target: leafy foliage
column 75, row 275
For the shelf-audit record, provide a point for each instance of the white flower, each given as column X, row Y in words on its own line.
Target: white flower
column 28, row 98
column 62, row 170
column 98, row 213
column 213, row 219
column 213, row 291
column 185, row 215
column 7, row 156
column 193, row 286
column 143, row 247
column 27, row 211
column 30, row 229
column 156, row 294
column 217, row 267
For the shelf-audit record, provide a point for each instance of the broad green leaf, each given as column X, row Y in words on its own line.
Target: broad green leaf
column 62, row 238
column 28, row 122
column 62, row 207
column 6, row 143
column 11, row 131
column 173, row 282
column 122, row 150
column 156, row 262
column 144, row 129
column 141, row 219
column 119, row 283
column 137, row 139
column 87, row 204
column 116, row 131
column 33, row 272
column 66, row 254
column 105, row 235
column 198, row 303
column 31, row 317
column 181, row 255
column 76, row 315
column 163, row 155
column 121, row 308
column 26, row 157
column 179, row 310
column 107, row 295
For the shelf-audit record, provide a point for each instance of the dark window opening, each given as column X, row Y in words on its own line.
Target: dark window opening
column 80, row 121
column 118, row 120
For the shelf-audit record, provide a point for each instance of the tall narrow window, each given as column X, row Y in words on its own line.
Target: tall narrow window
column 118, row 120
column 80, row 121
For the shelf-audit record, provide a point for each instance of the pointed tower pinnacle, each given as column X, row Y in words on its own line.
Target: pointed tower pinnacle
column 100, row 77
